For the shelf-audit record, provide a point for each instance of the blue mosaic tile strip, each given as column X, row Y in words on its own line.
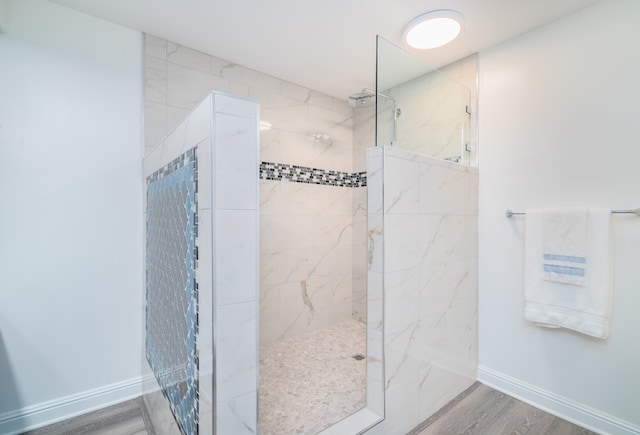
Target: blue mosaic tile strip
column 303, row 174
column 171, row 287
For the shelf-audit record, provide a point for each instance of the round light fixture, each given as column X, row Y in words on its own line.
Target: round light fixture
column 433, row 29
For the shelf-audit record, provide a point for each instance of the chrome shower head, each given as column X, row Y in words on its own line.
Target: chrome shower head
column 361, row 99
column 366, row 98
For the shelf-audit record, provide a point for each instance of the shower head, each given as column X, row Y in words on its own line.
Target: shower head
column 366, row 98
column 361, row 99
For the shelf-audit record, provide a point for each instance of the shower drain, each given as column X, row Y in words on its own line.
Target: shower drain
column 358, row 357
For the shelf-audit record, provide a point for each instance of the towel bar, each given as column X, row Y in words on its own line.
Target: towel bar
column 635, row 211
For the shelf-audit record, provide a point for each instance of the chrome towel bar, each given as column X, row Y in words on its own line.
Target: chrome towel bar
column 635, row 211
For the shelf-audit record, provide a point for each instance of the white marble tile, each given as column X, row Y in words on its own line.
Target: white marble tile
column 188, row 57
column 401, row 186
column 192, row 130
column 331, row 260
column 299, row 264
column 236, row 106
column 251, row 77
column 403, row 241
column 401, row 324
column 375, row 244
column 319, row 99
column 437, row 387
column 298, row 149
column 236, row 350
column 443, row 191
column 238, row 416
column 375, row 175
column 359, row 298
column 270, row 145
column 462, row 335
column 375, row 382
column 155, row 123
column 186, row 87
column 359, row 259
column 297, row 92
column 281, row 266
column 402, row 407
column 313, row 231
column 236, row 256
column 287, row 198
column 341, row 106
column 236, row 162
column 282, row 112
column 360, row 202
column 219, row 66
column 270, row 228
column 155, row 71
column 270, row 304
column 469, row 64
column 375, row 309
column 154, row 46
column 338, row 126
column 342, row 156
column 175, row 115
column 447, row 238
column 473, row 194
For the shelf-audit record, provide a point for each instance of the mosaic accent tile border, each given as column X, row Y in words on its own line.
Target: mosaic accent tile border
column 303, row 174
column 171, row 288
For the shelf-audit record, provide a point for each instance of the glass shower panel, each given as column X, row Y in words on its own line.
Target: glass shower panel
column 418, row 108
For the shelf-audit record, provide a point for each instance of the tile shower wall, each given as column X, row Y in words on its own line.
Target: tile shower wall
column 433, row 119
column 227, row 227
column 465, row 72
column 307, row 237
column 363, row 137
column 423, row 252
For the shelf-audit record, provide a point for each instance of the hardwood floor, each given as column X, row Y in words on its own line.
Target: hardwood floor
column 482, row 410
column 125, row 418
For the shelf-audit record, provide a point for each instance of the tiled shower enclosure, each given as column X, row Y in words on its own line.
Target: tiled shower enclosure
column 202, row 272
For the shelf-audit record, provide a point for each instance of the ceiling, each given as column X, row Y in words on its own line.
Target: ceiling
column 325, row 45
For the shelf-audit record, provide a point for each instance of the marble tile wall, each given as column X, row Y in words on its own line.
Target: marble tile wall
column 227, row 214
column 423, row 252
column 363, row 138
column 433, row 119
column 308, row 234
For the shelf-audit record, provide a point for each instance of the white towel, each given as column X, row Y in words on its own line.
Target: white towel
column 564, row 245
column 585, row 309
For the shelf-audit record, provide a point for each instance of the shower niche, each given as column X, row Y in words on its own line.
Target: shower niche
column 201, row 202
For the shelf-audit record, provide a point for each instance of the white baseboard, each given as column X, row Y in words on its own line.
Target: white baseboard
column 46, row 413
column 562, row 407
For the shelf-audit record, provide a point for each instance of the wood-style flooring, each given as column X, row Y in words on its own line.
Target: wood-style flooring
column 480, row 410
column 126, row 418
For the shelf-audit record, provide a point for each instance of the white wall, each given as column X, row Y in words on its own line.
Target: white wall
column 70, row 213
column 559, row 127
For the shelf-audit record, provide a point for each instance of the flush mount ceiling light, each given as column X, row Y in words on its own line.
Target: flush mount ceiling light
column 433, row 29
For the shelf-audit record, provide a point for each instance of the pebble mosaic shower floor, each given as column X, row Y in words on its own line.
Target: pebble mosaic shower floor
column 309, row 382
